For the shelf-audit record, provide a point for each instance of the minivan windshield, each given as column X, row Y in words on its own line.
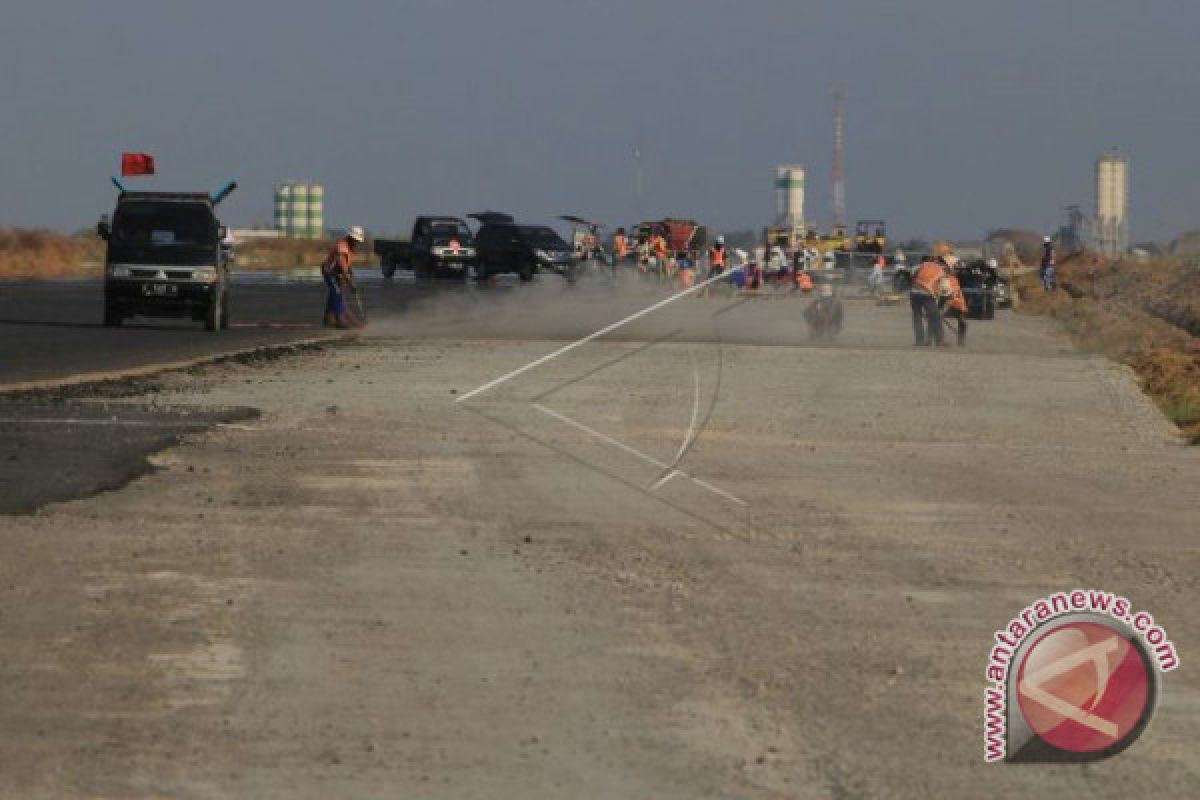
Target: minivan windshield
column 543, row 238
column 183, row 234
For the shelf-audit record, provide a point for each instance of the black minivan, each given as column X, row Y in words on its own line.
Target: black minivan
column 165, row 258
column 506, row 246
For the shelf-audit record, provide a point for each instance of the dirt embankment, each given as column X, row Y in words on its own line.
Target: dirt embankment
column 1146, row 315
column 31, row 253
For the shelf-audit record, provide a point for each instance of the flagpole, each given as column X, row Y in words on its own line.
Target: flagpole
column 637, row 181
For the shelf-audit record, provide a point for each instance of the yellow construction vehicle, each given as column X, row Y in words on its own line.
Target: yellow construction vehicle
column 833, row 241
column 788, row 238
column 870, row 236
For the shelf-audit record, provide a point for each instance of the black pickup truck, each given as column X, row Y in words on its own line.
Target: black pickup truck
column 439, row 247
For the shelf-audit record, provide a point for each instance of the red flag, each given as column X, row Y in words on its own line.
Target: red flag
column 137, row 164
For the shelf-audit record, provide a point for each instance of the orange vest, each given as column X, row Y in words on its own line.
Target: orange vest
column 927, row 277
column 957, row 301
column 659, row 245
column 620, row 247
column 716, row 256
column 804, row 281
column 338, row 260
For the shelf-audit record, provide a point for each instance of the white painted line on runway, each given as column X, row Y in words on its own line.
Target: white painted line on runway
column 687, row 439
column 639, row 454
column 592, row 336
column 663, row 480
column 669, row 469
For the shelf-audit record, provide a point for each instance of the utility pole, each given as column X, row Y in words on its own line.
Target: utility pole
column 839, row 159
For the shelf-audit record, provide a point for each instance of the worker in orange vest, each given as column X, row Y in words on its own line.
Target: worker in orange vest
column 923, row 297
column 337, row 270
column 718, row 262
column 718, row 257
column 953, row 304
column 620, row 245
column 658, row 248
column 804, row 281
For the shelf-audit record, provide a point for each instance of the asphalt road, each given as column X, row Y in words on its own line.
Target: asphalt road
column 57, row 451
column 51, row 330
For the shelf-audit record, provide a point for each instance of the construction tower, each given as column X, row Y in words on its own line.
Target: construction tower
column 839, row 160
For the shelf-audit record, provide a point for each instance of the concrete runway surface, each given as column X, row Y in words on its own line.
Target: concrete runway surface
column 695, row 558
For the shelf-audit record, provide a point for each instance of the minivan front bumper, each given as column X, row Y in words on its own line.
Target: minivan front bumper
column 160, row 296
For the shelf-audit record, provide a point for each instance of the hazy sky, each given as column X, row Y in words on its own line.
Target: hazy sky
column 962, row 115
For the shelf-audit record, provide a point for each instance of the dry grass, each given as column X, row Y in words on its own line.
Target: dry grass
column 1146, row 315
column 278, row 254
column 33, row 253
column 27, row 253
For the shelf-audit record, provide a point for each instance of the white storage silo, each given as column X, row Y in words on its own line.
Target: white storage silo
column 1112, row 204
column 789, row 196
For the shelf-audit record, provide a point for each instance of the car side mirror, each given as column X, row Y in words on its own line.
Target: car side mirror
column 103, row 230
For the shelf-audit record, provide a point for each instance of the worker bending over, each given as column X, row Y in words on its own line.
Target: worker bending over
column 953, row 304
column 685, row 270
column 338, row 273
column 923, row 297
column 824, row 316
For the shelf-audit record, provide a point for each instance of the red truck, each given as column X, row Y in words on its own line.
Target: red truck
column 681, row 234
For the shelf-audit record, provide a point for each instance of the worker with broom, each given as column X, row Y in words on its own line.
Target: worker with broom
column 338, row 273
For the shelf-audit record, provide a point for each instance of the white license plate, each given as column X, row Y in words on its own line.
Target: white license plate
column 160, row 290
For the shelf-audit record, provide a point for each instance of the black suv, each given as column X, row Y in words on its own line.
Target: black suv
column 165, row 258
column 505, row 246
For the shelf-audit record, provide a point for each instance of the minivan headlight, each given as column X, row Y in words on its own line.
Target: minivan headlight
column 119, row 272
column 205, row 275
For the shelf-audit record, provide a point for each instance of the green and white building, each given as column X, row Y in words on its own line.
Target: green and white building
column 300, row 209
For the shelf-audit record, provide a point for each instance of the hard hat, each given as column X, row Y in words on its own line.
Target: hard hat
column 993, row 263
column 1046, row 239
column 720, row 240
column 356, row 233
column 951, row 260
